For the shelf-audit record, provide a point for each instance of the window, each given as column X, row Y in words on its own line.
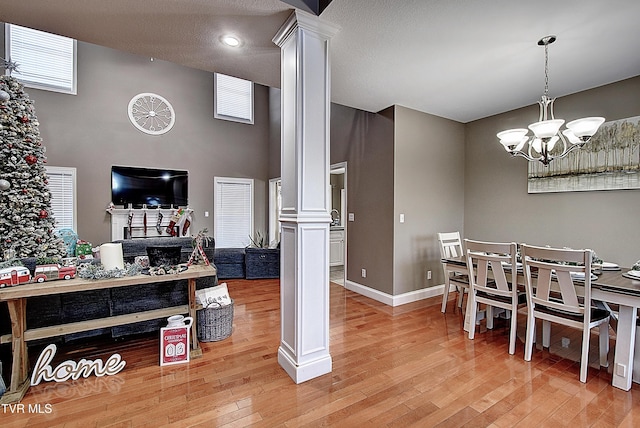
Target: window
column 45, row 61
column 233, row 208
column 233, row 98
column 62, row 186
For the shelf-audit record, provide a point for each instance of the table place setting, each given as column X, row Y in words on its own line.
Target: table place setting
column 609, row 266
column 634, row 273
column 579, row 276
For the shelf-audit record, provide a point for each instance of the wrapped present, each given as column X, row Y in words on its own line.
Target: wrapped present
column 84, row 249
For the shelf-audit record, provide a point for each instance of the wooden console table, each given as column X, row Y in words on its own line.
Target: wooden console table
column 16, row 298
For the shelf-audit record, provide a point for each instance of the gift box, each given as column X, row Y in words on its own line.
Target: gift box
column 83, row 249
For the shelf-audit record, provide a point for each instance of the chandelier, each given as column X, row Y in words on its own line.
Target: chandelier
column 543, row 144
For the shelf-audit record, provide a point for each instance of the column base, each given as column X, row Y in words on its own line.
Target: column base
column 307, row 371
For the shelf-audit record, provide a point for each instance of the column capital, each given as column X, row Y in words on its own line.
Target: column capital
column 305, row 21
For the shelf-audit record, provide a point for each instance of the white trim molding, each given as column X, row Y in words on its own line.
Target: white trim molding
column 401, row 299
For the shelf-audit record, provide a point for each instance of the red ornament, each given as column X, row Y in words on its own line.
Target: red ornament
column 10, row 145
column 24, row 191
column 31, row 159
column 24, row 119
column 43, row 214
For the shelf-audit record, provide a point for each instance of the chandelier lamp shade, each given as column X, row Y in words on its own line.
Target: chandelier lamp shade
column 548, row 142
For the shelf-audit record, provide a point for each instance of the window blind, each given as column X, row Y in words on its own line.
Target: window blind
column 45, row 61
column 233, row 212
column 233, row 98
column 62, row 186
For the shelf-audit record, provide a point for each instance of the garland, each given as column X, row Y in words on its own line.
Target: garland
column 95, row 271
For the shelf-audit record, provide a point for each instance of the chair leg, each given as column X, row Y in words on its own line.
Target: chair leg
column 546, row 334
column 445, row 295
column 473, row 314
column 530, row 335
column 460, row 295
column 604, row 344
column 584, row 358
column 512, row 333
column 489, row 317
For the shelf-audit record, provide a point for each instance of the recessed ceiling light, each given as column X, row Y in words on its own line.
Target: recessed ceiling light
column 231, row 41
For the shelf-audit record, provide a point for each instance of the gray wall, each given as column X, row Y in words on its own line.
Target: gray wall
column 91, row 131
column 365, row 141
column 498, row 207
column 429, row 191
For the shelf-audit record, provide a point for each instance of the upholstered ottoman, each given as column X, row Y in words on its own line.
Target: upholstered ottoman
column 262, row 263
column 230, row 262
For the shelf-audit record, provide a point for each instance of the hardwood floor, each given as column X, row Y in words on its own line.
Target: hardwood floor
column 392, row 367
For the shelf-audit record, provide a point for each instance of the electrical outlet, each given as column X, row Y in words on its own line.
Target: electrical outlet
column 428, row 274
column 364, row 273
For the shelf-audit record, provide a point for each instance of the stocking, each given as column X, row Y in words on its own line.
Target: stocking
column 186, row 225
column 158, row 221
column 130, row 221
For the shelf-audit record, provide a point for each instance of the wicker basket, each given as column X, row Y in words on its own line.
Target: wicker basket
column 215, row 323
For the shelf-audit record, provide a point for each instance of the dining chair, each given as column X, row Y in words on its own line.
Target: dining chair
column 552, row 297
column 458, row 275
column 489, row 263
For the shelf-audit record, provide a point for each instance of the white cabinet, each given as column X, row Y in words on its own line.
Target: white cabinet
column 336, row 247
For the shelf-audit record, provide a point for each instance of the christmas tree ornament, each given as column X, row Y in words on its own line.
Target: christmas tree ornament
column 31, row 159
column 4, row 96
column 24, row 119
column 43, row 214
column 4, row 184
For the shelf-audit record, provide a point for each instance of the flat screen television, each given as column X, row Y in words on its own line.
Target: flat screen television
column 153, row 187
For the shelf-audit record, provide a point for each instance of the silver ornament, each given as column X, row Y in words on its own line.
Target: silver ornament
column 4, row 95
column 4, row 184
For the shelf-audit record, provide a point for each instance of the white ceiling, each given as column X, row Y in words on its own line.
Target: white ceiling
column 459, row 59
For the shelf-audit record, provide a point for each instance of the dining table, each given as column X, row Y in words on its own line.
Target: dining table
column 616, row 287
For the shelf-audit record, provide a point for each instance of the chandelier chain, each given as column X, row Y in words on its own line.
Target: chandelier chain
column 546, row 69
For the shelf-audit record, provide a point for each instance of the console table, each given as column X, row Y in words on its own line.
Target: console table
column 16, row 298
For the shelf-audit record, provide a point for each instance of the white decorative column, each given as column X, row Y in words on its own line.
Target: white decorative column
column 306, row 202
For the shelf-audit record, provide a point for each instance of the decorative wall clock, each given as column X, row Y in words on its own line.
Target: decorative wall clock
column 151, row 113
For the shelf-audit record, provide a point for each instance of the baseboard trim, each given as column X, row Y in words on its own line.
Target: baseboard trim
column 401, row 299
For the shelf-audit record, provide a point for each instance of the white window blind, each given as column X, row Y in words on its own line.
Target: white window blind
column 233, row 212
column 62, row 186
column 233, row 98
column 45, row 61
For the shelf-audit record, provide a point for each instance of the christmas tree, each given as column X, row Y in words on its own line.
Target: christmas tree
column 26, row 220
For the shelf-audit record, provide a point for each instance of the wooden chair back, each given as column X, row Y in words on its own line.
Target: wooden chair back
column 546, row 267
column 484, row 258
column 450, row 245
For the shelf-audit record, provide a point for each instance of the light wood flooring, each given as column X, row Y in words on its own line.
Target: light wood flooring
column 392, row 367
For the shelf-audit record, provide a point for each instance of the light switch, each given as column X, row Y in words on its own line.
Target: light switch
column 401, row 218
column 206, row 213
column 352, row 217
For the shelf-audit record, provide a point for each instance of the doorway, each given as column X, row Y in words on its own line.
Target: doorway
column 338, row 227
